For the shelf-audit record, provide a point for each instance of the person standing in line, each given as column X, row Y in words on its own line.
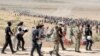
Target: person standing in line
column 56, row 39
column 78, row 36
column 35, row 39
column 88, row 34
column 8, row 38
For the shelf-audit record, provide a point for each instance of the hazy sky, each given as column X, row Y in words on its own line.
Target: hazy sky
column 74, row 3
column 86, row 3
column 55, row 6
column 82, row 1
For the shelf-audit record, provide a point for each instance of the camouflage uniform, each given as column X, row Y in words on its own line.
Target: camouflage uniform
column 56, row 41
column 78, row 35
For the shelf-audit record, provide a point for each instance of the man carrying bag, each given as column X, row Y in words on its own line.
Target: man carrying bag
column 88, row 34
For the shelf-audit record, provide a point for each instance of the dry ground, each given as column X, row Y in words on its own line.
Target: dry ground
column 68, row 52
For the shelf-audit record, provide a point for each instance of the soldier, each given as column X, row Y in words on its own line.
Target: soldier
column 78, row 35
column 8, row 38
column 61, row 36
column 56, row 39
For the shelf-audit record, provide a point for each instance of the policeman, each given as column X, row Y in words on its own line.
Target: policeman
column 8, row 38
column 61, row 36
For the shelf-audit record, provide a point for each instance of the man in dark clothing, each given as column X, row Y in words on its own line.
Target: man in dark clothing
column 89, row 42
column 35, row 44
column 8, row 38
column 61, row 35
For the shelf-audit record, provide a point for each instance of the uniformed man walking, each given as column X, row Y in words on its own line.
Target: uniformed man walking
column 61, row 36
column 56, row 39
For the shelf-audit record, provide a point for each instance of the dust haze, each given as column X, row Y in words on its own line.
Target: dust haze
column 63, row 8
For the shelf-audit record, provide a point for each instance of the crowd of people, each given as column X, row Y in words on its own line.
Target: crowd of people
column 18, row 33
column 68, row 29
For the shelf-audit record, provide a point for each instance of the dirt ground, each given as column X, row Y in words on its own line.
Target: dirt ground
column 68, row 52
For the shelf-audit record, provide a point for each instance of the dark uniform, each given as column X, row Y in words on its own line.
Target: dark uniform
column 8, row 38
column 61, row 35
column 78, row 35
column 88, row 32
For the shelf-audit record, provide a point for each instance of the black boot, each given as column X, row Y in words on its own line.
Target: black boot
column 63, row 49
column 90, row 49
column 57, row 54
column 3, row 52
column 17, row 49
column 23, row 49
column 51, row 52
column 13, row 52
